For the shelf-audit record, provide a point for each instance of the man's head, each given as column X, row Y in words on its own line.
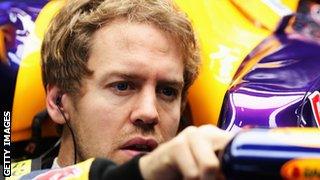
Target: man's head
column 122, row 68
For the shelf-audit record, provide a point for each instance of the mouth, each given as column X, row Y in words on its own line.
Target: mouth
column 139, row 145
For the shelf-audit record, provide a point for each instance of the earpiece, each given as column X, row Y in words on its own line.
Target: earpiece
column 58, row 101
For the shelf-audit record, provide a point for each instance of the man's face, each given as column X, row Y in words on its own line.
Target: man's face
column 132, row 101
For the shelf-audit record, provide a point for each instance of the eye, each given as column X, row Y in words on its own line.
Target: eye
column 121, row 86
column 167, row 92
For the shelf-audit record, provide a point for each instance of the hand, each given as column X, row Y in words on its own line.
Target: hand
column 190, row 155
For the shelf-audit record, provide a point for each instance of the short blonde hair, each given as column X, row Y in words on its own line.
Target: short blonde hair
column 66, row 46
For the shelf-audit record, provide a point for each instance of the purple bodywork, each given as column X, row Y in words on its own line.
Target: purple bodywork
column 282, row 72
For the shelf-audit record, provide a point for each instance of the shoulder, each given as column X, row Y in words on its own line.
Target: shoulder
column 21, row 168
column 78, row 171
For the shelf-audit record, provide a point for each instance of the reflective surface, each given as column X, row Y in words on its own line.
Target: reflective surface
column 272, row 84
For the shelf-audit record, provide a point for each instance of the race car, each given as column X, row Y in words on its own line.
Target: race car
column 278, row 83
column 274, row 84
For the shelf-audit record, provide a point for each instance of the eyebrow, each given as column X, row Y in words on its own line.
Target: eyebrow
column 138, row 78
column 107, row 76
column 175, row 83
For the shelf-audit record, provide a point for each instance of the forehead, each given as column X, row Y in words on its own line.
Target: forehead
column 132, row 46
column 121, row 33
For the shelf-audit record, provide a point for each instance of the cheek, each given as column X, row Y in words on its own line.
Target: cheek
column 169, row 122
column 97, row 131
column 103, row 106
column 99, row 116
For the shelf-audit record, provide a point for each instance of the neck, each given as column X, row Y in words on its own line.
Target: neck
column 66, row 151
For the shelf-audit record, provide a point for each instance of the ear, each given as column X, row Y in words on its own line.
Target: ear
column 53, row 93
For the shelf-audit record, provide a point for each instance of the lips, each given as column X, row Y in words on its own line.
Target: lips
column 139, row 145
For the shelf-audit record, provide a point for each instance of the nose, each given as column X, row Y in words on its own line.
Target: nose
column 145, row 112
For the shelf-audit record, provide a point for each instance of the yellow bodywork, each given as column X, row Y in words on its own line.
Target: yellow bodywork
column 227, row 29
column 29, row 97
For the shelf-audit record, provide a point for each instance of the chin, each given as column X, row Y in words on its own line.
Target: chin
column 121, row 160
column 124, row 156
